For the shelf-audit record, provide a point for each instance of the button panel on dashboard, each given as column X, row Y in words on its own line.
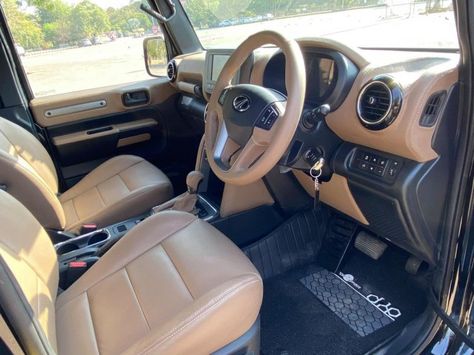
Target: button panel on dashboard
column 375, row 164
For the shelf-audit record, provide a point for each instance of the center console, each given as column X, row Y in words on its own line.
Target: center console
column 78, row 253
column 90, row 246
column 205, row 209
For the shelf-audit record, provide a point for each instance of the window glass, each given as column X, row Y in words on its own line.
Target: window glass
column 70, row 45
column 359, row 23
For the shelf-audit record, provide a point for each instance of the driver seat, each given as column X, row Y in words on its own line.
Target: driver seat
column 120, row 188
column 172, row 285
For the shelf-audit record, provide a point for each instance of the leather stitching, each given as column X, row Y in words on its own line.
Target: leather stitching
column 136, row 297
column 33, row 177
column 100, row 197
column 200, row 313
column 102, row 212
column 92, row 321
column 128, row 261
column 74, row 209
column 13, row 251
column 124, row 182
column 19, row 155
column 179, row 273
column 88, row 177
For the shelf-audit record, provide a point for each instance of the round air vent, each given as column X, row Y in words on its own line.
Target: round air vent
column 379, row 102
column 171, row 70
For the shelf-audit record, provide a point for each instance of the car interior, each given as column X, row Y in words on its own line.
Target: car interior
column 283, row 197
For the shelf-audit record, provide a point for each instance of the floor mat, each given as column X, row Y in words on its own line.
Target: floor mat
column 352, row 307
column 295, row 321
column 293, row 244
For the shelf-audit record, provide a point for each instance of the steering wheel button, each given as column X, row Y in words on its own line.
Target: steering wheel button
column 267, row 119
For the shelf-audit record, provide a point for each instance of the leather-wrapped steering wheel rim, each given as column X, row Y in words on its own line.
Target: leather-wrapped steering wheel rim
column 248, row 127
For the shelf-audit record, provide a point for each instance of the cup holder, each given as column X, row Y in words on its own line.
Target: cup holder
column 82, row 242
column 67, row 248
column 97, row 238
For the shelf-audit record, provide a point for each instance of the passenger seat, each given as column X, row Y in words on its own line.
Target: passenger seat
column 172, row 285
column 121, row 188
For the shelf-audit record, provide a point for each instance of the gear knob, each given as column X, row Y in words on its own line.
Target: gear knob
column 193, row 180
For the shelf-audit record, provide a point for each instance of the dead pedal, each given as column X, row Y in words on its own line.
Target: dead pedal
column 370, row 245
column 413, row 265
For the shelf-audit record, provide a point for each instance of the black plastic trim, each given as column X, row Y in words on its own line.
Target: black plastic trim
column 396, row 99
column 346, row 72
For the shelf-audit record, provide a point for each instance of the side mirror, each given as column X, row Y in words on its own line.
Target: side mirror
column 156, row 56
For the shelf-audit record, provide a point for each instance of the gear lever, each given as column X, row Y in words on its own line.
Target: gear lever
column 187, row 201
column 193, row 180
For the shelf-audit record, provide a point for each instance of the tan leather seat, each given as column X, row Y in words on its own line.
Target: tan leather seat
column 120, row 188
column 173, row 285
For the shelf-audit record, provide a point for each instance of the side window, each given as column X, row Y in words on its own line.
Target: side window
column 67, row 45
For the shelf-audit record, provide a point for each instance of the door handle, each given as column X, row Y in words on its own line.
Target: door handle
column 135, row 98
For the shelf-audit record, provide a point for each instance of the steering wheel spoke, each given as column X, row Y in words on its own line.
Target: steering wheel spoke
column 249, row 127
column 247, row 156
column 224, row 147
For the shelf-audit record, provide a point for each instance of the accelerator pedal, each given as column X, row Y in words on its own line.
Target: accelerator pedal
column 337, row 241
column 370, row 245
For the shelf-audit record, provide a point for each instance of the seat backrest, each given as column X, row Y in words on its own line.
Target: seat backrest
column 27, row 171
column 29, row 254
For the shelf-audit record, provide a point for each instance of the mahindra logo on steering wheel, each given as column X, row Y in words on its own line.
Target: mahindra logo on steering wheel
column 241, row 103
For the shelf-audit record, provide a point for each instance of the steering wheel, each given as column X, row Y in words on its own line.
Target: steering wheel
column 249, row 127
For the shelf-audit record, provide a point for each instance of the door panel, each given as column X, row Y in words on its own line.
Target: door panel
column 103, row 139
column 71, row 107
column 139, row 119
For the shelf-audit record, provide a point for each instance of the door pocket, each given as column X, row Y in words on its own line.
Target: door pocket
column 100, row 142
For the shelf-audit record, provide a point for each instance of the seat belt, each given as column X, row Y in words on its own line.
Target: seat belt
column 8, row 338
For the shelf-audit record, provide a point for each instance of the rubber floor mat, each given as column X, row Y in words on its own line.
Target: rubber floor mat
column 352, row 307
column 293, row 244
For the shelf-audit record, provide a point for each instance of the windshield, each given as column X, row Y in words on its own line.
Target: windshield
column 360, row 23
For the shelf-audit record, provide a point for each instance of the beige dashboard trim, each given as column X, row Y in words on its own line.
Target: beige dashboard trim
column 352, row 53
column 335, row 193
column 241, row 198
column 186, row 87
column 405, row 137
column 190, row 67
column 159, row 89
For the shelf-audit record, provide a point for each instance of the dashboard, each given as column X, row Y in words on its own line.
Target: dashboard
column 386, row 132
column 329, row 76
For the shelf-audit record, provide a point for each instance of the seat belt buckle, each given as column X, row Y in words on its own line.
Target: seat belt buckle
column 75, row 270
column 88, row 228
column 78, row 264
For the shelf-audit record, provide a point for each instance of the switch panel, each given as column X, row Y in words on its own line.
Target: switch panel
column 376, row 164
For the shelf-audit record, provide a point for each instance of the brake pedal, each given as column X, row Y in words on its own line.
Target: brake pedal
column 370, row 245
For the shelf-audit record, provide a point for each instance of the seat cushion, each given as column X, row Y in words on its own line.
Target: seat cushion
column 174, row 284
column 120, row 188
